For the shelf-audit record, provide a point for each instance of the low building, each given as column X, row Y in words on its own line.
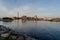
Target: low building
column 16, row 18
column 41, row 18
column 24, row 17
column 30, row 18
column 45, row 18
column 35, row 17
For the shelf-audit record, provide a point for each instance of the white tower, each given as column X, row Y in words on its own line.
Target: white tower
column 18, row 14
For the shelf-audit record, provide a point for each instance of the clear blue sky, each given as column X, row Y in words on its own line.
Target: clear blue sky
column 41, row 8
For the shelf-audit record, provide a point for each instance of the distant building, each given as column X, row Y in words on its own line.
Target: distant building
column 24, row 17
column 40, row 18
column 16, row 18
column 45, row 18
column 18, row 14
column 49, row 18
column 29, row 18
column 35, row 17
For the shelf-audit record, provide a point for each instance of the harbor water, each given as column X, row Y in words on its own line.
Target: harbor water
column 41, row 30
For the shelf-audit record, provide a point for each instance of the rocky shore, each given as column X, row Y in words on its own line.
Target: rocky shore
column 8, row 34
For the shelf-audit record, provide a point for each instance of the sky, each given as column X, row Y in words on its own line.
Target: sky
column 41, row 8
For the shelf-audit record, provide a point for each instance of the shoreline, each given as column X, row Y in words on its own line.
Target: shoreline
column 8, row 19
column 6, row 33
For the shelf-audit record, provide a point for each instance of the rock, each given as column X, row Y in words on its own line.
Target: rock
column 1, row 32
column 13, row 37
column 6, row 32
column 29, row 38
column 5, row 35
column 20, row 38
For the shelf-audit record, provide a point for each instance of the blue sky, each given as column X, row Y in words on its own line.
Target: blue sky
column 41, row 8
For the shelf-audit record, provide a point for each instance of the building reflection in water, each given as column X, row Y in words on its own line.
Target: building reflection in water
column 6, row 23
column 35, row 21
column 17, row 23
column 35, row 25
column 23, row 21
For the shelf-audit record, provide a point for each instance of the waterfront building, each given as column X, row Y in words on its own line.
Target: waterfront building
column 40, row 18
column 30, row 18
column 45, row 18
column 24, row 17
column 35, row 17
column 49, row 18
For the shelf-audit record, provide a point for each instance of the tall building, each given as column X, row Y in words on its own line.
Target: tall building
column 18, row 14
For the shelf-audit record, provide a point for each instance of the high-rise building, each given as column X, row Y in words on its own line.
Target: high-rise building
column 18, row 14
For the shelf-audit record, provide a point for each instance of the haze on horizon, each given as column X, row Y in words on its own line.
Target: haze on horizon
column 41, row 8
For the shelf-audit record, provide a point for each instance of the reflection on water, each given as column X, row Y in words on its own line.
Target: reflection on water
column 24, row 21
column 6, row 23
column 38, row 29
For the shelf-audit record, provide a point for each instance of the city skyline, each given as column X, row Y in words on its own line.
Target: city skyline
column 43, row 8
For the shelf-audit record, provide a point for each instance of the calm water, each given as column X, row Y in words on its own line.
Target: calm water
column 43, row 30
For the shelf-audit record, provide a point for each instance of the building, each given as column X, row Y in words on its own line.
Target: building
column 35, row 17
column 45, row 18
column 24, row 17
column 41, row 18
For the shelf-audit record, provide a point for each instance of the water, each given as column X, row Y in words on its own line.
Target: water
column 42, row 30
